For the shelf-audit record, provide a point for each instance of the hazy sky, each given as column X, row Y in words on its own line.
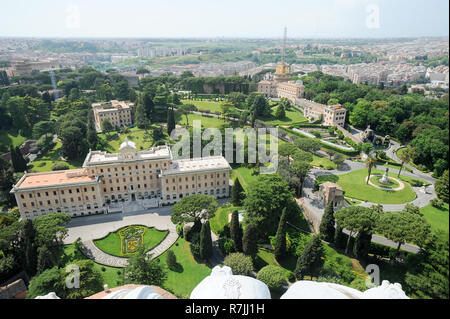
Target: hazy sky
column 224, row 18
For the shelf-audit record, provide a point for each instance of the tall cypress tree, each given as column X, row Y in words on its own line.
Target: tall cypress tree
column 362, row 246
column 327, row 224
column 45, row 259
column 205, row 241
column 170, row 120
column 92, row 137
column 339, row 237
column 149, row 107
column 280, row 244
column 236, row 231
column 18, row 162
column 29, row 234
column 250, row 240
column 310, row 261
column 141, row 116
column 22, row 161
column 237, row 193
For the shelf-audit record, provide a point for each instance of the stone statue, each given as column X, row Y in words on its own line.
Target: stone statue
column 385, row 178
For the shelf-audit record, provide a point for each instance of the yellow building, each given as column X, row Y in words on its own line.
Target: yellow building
column 282, row 72
column 107, row 182
column 291, row 90
column 119, row 113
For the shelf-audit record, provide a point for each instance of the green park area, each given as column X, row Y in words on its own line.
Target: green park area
column 293, row 116
column 202, row 106
column 111, row 141
column 355, row 186
column 117, row 245
column 188, row 273
column 8, row 138
column 220, row 218
column 45, row 161
column 206, row 121
column 437, row 217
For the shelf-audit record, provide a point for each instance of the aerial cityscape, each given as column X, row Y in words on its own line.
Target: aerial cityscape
column 251, row 155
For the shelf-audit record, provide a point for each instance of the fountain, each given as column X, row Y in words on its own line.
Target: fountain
column 385, row 179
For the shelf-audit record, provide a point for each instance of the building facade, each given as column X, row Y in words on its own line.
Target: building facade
column 332, row 115
column 119, row 113
column 107, row 182
column 291, row 90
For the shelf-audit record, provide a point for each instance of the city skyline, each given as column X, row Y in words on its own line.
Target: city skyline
column 150, row 19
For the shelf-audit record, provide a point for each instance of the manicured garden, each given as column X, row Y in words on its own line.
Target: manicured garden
column 206, row 121
column 45, row 161
column 376, row 181
column 220, row 218
column 355, row 186
column 292, row 116
column 114, row 243
column 111, row 141
column 246, row 175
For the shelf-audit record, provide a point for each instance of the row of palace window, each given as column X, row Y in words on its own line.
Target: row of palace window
column 129, row 168
column 131, row 179
column 60, row 209
column 111, row 189
column 211, row 192
column 193, row 178
column 30, row 195
column 49, row 202
column 193, row 185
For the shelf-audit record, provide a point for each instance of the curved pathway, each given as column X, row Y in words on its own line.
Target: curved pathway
column 89, row 228
column 99, row 256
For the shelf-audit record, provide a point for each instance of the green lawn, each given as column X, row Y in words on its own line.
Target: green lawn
column 45, row 161
column 143, row 141
column 437, row 217
column 355, row 186
column 292, row 116
column 10, row 137
column 323, row 162
column 220, row 218
column 206, row 122
column 111, row 244
column 245, row 176
column 189, row 273
column 210, row 106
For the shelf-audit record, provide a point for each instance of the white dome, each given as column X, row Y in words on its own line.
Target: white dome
column 143, row 292
column 50, row 295
column 320, row 290
column 385, row 291
column 222, row 284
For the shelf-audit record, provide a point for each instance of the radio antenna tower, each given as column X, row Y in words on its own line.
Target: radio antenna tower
column 283, row 53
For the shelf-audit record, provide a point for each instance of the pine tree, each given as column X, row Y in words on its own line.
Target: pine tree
column 339, row 237
column 205, row 241
column 250, row 240
column 280, row 243
column 327, row 224
column 280, row 113
column 236, row 231
column 237, row 193
column 170, row 121
column 310, row 261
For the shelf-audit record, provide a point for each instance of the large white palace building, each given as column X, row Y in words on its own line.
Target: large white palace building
column 109, row 182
